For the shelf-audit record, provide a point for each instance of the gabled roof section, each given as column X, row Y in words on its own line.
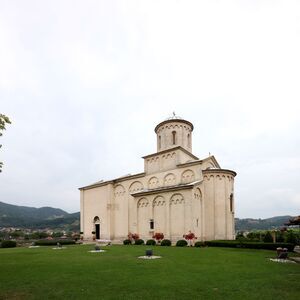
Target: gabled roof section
column 170, row 150
column 200, row 162
column 213, row 159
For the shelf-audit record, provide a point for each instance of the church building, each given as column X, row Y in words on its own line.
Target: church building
column 176, row 193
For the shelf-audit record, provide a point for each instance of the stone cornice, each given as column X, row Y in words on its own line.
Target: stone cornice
column 190, row 163
column 120, row 179
column 165, row 189
column 211, row 171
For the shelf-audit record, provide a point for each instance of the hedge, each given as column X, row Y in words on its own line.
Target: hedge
column 54, row 242
column 250, row 245
column 139, row 242
column 8, row 244
column 151, row 243
column 127, row 242
column 199, row 244
column 165, row 243
column 181, row 243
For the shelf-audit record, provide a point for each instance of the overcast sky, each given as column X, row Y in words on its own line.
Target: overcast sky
column 85, row 83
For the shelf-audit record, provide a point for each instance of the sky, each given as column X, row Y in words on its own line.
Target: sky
column 85, row 83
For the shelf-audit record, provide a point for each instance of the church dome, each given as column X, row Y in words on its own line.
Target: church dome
column 173, row 132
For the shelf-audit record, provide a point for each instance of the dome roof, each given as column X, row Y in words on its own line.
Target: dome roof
column 174, row 118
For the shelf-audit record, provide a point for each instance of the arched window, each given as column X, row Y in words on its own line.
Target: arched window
column 189, row 140
column 174, row 137
column 231, row 202
column 159, row 142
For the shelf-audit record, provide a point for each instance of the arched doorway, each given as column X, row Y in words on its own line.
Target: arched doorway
column 97, row 227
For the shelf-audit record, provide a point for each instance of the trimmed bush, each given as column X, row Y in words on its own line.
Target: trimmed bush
column 54, row 242
column 250, row 245
column 181, row 243
column 139, row 242
column 199, row 244
column 151, row 243
column 8, row 244
column 127, row 242
column 165, row 243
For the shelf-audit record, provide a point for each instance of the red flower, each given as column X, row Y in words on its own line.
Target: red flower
column 190, row 236
column 158, row 236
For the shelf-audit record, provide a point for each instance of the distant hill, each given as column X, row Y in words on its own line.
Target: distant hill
column 260, row 224
column 55, row 218
column 37, row 218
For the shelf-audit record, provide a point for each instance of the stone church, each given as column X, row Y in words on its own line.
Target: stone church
column 176, row 193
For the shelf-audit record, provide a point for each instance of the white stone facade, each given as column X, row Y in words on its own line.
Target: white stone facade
column 176, row 193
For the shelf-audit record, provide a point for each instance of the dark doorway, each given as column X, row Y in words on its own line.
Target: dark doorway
column 97, row 231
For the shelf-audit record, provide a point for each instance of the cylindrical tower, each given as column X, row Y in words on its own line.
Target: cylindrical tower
column 174, row 132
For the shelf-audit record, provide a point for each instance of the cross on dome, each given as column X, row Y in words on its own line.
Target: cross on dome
column 174, row 117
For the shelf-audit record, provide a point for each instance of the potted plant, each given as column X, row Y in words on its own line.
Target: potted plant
column 158, row 236
column 94, row 236
column 190, row 237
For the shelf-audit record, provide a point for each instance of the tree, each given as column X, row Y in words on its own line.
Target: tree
column 268, row 237
column 3, row 121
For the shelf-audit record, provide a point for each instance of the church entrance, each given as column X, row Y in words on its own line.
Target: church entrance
column 97, row 227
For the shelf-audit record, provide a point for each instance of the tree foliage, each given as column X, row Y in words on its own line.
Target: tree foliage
column 3, row 121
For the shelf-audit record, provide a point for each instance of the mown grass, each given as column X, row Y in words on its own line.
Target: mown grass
column 182, row 273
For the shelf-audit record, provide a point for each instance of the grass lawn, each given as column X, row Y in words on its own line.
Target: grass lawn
column 182, row 273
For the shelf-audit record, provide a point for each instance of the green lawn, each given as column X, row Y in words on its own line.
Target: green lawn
column 182, row 273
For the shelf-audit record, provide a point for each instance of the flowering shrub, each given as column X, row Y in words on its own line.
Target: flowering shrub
column 158, row 236
column 133, row 236
column 190, row 236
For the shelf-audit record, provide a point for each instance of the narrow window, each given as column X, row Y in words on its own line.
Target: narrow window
column 174, row 137
column 159, row 142
column 189, row 140
column 151, row 224
column 231, row 202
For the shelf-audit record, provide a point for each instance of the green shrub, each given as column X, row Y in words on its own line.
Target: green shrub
column 139, row 242
column 151, row 243
column 54, row 242
column 268, row 237
column 249, row 245
column 8, row 244
column 291, row 237
column 200, row 244
column 181, row 243
column 279, row 237
column 127, row 242
column 254, row 236
column 165, row 243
